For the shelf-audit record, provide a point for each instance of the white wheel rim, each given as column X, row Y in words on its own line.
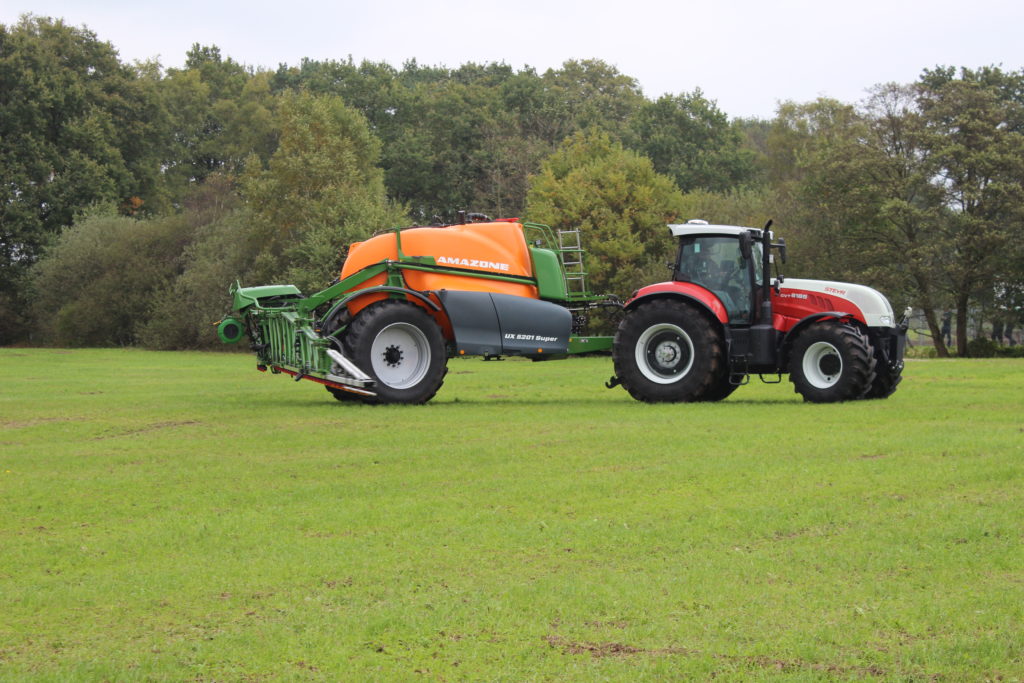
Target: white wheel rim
column 400, row 355
column 664, row 353
column 822, row 365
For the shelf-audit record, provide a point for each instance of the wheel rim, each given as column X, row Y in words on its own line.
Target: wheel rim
column 400, row 355
column 664, row 353
column 822, row 365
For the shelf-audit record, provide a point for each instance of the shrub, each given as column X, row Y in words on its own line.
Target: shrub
column 181, row 315
column 95, row 286
column 982, row 348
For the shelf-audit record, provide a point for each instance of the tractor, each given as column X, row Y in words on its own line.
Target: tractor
column 723, row 317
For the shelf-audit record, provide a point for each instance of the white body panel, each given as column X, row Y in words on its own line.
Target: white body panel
column 876, row 308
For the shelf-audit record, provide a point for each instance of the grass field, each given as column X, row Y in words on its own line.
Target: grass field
column 179, row 516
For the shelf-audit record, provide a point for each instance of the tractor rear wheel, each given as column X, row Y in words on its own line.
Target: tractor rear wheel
column 722, row 387
column 667, row 351
column 832, row 362
column 402, row 348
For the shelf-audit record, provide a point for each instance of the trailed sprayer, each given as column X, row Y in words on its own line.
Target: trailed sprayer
column 409, row 299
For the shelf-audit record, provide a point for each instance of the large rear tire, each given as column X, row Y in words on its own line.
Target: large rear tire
column 722, row 387
column 832, row 362
column 667, row 350
column 402, row 348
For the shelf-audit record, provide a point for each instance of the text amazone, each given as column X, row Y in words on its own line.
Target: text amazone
column 472, row 263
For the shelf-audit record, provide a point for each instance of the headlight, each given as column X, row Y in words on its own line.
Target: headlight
column 886, row 320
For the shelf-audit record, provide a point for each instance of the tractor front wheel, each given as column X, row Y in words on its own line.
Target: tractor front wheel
column 887, row 378
column 402, row 348
column 667, row 351
column 832, row 362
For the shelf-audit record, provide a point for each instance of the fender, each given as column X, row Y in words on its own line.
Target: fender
column 383, row 288
column 491, row 323
column 387, row 288
column 804, row 323
column 345, row 300
column 682, row 290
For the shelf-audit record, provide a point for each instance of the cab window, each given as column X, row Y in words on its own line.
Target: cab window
column 717, row 264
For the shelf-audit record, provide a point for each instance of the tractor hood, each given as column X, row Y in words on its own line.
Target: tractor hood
column 872, row 304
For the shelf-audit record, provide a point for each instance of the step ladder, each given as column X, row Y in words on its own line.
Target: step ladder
column 570, row 251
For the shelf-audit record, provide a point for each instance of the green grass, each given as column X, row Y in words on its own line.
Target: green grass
column 173, row 516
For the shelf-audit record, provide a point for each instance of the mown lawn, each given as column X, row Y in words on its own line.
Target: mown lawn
column 179, row 516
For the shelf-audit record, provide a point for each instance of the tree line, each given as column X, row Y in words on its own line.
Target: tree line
column 133, row 195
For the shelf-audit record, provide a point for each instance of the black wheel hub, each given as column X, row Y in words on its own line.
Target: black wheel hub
column 830, row 365
column 667, row 353
column 392, row 355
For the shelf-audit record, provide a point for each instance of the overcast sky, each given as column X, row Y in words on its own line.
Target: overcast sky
column 747, row 55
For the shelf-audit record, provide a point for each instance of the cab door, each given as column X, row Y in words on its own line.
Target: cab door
column 717, row 263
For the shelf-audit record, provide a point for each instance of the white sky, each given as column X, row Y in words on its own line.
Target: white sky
column 748, row 55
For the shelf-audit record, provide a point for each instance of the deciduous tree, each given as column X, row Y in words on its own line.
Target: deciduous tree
column 74, row 130
column 689, row 139
column 618, row 202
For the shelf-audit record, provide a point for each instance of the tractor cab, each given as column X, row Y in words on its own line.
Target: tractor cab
column 732, row 264
column 728, row 261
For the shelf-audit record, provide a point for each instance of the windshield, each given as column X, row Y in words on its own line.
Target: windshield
column 716, row 263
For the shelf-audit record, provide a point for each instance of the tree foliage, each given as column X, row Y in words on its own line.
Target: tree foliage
column 975, row 129
column 617, row 201
column 76, row 128
column 689, row 139
column 321, row 189
column 919, row 191
column 219, row 171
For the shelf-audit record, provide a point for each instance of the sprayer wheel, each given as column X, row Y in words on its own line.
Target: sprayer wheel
column 402, row 348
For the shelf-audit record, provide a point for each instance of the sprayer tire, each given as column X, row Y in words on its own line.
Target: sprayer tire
column 342, row 395
column 667, row 351
column 400, row 346
column 831, row 362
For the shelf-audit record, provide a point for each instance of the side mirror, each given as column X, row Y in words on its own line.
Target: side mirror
column 782, row 249
column 745, row 245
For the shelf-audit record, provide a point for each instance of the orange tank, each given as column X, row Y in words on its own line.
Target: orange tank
column 497, row 248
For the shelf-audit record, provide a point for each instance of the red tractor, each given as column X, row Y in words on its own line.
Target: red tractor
column 723, row 317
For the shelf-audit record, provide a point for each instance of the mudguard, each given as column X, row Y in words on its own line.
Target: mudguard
column 684, row 290
column 802, row 324
column 488, row 323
